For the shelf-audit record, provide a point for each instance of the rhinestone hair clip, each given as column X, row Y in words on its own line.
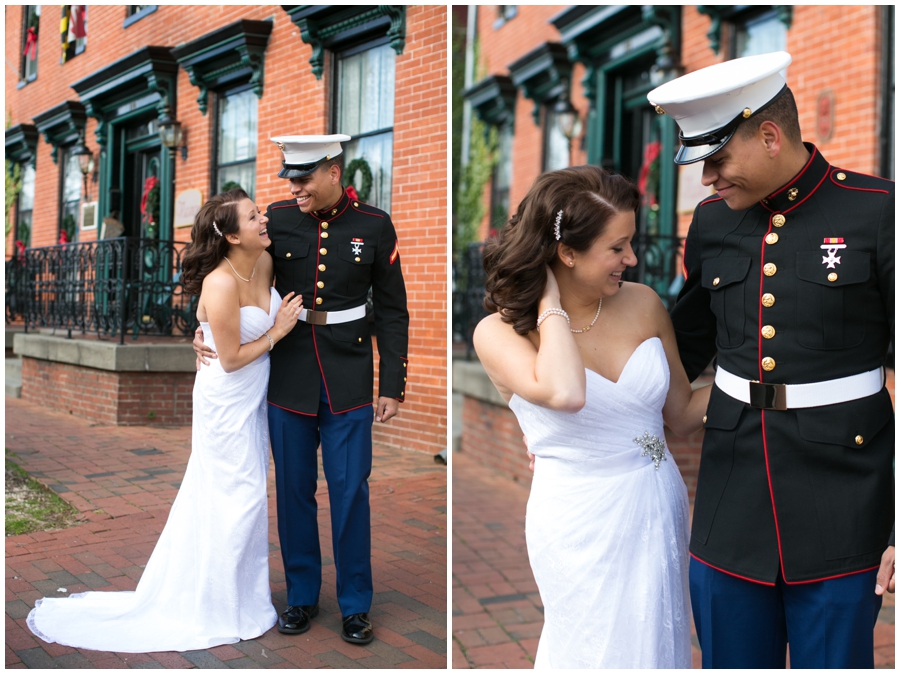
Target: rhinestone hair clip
column 216, row 228
column 556, row 225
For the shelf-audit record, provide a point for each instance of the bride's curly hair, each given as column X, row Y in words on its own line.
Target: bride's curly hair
column 588, row 196
column 207, row 246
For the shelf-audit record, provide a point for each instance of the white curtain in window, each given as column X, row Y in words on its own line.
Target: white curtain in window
column 556, row 152
column 237, row 140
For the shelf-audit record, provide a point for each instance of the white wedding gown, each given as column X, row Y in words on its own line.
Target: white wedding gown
column 607, row 532
column 207, row 581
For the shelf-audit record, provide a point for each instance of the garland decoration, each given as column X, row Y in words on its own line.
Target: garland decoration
column 361, row 165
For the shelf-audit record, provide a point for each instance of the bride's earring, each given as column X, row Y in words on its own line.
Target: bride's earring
column 571, row 264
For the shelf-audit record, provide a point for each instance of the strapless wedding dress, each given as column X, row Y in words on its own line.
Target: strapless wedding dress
column 607, row 530
column 207, row 581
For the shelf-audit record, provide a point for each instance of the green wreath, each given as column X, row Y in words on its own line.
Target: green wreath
column 361, row 165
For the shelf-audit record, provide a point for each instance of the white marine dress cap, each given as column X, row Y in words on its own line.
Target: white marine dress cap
column 709, row 104
column 304, row 154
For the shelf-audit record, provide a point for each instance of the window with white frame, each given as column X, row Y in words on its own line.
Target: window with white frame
column 236, row 141
column 365, row 111
column 31, row 24
column 556, row 146
column 71, row 196
column 759, row 33
column 25, row 205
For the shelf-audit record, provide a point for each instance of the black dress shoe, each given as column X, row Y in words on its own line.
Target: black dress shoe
column 357, row 629
column 295, row 620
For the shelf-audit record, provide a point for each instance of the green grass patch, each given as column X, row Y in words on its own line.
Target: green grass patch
column 30, row 506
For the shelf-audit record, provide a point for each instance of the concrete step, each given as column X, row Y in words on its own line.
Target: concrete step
column 13, row 377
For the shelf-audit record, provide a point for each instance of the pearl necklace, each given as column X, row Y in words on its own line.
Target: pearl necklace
column 254, row 272
column 588, row 327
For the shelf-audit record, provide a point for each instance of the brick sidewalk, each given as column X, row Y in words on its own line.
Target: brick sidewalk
column 123, row 481
column 497, row 611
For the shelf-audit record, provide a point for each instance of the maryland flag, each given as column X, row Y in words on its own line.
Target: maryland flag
column 71, row 27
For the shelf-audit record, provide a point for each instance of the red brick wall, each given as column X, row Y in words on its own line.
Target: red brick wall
column 114, row 398
column 492, row 436
column 294, row 102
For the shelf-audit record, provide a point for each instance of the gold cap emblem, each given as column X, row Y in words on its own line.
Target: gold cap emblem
column 746, row 113
column 280, row 145
column 659, row 110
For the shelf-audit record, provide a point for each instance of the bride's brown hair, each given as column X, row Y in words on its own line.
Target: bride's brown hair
column 588, row 197
column 208, row 246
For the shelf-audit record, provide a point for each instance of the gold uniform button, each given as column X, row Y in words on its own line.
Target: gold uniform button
column 324, row 225
column 770, row 269
column 768, row 300
column 404, row 379
column 768, row 364
column 321, row 284
column 771, row 238
column 357, row 259
column 318, row 300
column 359, row 339
column 832, row 277
column 321, row 267
column 792, row 193
column 778, row 220
column 716, row 281
column 323, row 251
column 402, row 393
column 355, row 204
column 288, row 255
column 768, row 331
column 858, row 439
column 404, row 364
column 842, row 176
column 704, row 418
column 324, row 235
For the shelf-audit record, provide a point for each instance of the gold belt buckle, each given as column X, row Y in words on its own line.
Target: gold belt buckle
column 768, row 396
column 316, row 317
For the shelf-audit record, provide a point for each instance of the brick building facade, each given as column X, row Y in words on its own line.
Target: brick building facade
column 602, row 60
column 234, row 76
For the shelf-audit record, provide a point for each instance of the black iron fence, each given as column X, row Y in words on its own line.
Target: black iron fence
column 110, row 287
column 657, row 267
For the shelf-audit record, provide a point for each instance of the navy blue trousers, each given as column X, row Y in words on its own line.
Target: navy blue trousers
column 346, row 441
column 741, row 624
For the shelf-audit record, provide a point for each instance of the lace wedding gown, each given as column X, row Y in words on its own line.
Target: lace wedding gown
column 207, row 581
column 607, row 531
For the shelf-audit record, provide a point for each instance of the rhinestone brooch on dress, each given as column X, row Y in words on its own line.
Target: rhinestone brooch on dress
column 653, row 446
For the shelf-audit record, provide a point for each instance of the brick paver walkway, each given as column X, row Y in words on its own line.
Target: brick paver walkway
column 123, row 481
column 497, row 611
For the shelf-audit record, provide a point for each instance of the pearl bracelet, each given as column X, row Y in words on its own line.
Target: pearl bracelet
column 271, row 343
column 550, row 312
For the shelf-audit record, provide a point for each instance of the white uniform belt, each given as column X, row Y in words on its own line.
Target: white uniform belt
column 796, row 396
column 332, row 317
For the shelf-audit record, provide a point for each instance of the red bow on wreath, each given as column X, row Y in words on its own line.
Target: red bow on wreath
column 31, row 43
column 149, row 184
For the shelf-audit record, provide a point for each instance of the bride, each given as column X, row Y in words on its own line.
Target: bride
column 589, row 365
column 207, row 581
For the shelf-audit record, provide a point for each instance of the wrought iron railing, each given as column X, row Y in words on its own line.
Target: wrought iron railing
column 110, row 287
column 657, row 267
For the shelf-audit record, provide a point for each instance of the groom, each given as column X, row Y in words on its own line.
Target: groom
column 331, row 248
column 790, row 285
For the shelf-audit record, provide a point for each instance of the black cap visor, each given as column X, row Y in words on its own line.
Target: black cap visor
column 299, row 170
column 689, row 154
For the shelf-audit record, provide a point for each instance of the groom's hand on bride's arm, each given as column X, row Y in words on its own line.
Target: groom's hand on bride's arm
column 885, row 578
column 203, row 352
column 387, row 408
column 530, row 455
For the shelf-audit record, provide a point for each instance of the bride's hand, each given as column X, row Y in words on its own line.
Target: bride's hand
column 287, row 316
column 550, row 298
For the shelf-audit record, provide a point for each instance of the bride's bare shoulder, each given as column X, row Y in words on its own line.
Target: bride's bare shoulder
column 493, row 330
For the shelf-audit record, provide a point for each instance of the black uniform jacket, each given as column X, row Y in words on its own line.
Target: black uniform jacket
column 332, row 258
column 809, row 491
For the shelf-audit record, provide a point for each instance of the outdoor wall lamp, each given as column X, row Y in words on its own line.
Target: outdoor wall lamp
column 567, row 118
column 172, row 136
column 85, row 163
